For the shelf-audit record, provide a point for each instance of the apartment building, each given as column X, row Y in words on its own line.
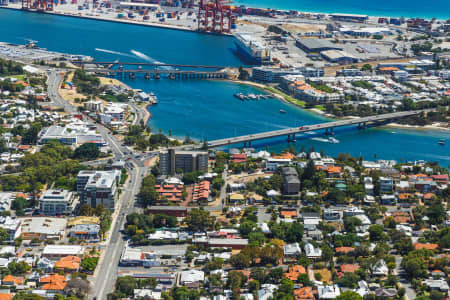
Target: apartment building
column 56, row 202
column 98, row 187
column 187, row 161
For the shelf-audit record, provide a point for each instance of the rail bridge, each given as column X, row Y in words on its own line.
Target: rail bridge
column 172, row 71
column 328, row 127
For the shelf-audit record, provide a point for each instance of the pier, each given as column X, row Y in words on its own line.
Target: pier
column 328, row 127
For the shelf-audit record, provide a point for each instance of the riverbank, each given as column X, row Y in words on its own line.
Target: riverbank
column 319, row 109
column 280, row 95
column 434, row 126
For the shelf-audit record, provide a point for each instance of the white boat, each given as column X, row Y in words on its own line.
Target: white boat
column 333, row 140
column 252, row 96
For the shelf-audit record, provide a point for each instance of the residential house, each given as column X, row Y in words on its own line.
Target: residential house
column 344, row 250
column 437, row 285
column 312, row 252
column 418, row 246
column 331, row 215
column 304, row 293
column 328, row 291
column 383, row 293
column 294, row 272
column 292, row 250
column 386, row 185
column 380, row 268
column 13, row 280
column 68, row 263
column 53, row 283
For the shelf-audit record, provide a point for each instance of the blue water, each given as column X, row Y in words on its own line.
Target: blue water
column 206, row 109
column 439, row 9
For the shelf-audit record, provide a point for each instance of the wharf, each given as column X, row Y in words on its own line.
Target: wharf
column 112, row 19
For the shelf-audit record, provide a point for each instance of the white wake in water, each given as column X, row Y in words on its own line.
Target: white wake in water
column 143, row 56
column 113, row 52
column 148, row 58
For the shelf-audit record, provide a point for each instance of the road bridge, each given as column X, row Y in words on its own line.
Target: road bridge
column 172, row 74
column 328, row 127
column 157, row 70
column 145, row 64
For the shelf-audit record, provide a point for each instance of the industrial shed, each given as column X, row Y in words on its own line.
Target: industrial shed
column 316, row 45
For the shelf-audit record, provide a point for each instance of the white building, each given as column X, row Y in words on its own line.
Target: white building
column 56, row 202
column 328, row 291
column 56, row 251
column 98, row 187
column 380, row 268
column 191, row 276
column 272, row 164
column 312, row 252
column 71, row 134
column 43, row 228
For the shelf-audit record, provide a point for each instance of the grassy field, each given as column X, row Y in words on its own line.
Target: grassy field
column 287, row 97
column 18, row 77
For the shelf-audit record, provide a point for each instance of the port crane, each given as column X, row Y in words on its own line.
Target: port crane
column 214, row 16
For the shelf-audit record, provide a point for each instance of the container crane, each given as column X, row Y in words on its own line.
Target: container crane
column 214, row 16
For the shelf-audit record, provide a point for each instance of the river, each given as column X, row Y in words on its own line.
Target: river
column 206, row 109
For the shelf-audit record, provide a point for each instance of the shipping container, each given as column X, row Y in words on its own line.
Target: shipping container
column 146, row 18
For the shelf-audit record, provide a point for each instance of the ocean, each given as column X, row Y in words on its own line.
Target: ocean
column 439, row 9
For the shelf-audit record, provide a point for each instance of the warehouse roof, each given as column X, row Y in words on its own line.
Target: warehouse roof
column 317, row 44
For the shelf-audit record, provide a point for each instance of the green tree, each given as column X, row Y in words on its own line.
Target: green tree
column 304, row 280
column 240, row 260
column 87, row 151
column 147, row 194
column 4, row 235
column 349, row 295
column 246, row 228
column 126, row 285
column 376, row 233
column 199, row 220
column 89, row 263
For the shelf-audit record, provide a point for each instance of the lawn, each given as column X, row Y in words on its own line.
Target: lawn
column 18, row 77
column 287, row 97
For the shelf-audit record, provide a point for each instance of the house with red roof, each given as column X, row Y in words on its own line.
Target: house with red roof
column 239, row 158
column 172, row 192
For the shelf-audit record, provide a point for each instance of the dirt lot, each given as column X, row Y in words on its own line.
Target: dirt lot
column 70, row 94
column 326, row 274
column 331, row 71
column 301, row 28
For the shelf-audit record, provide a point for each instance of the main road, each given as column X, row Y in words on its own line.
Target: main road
column 106, row 271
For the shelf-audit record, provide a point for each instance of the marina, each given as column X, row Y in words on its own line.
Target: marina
column 251, row 96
